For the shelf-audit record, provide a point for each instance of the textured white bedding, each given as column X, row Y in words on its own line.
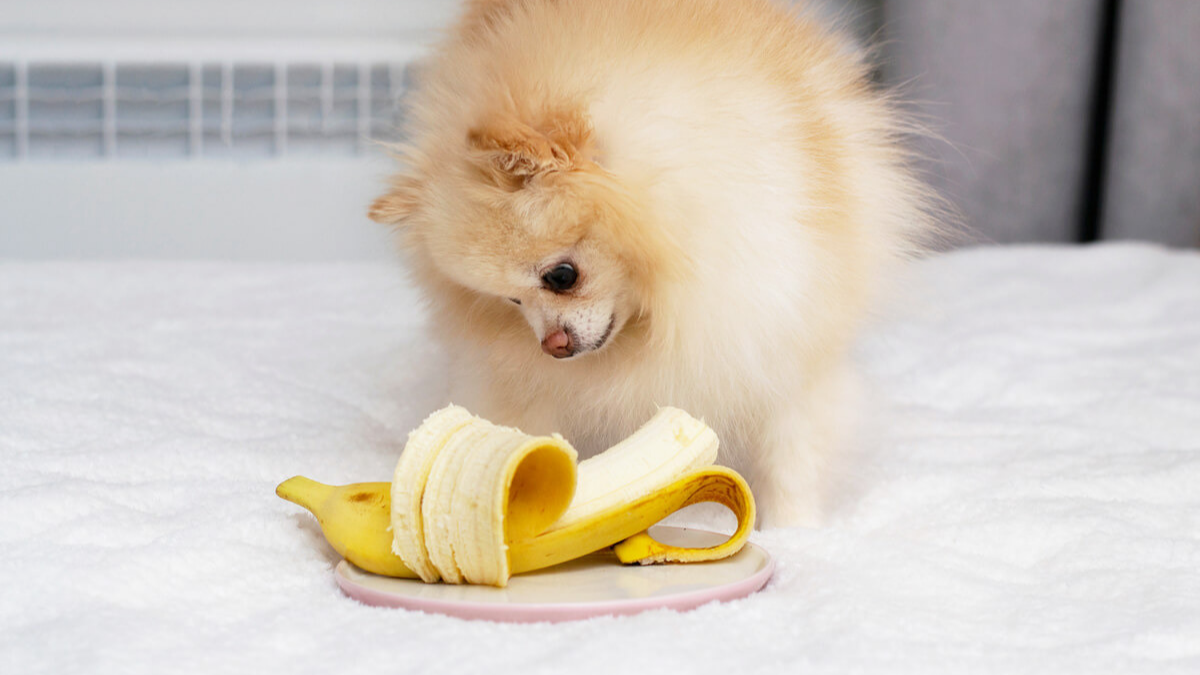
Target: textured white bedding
column 1029, row 503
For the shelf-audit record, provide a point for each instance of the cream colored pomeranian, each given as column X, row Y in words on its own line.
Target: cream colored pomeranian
column 616, row 205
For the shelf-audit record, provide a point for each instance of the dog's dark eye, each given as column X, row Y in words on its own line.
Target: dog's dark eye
column 514, row 301
column 561, row 278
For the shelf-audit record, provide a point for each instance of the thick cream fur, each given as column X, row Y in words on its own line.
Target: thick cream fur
column 727, row 180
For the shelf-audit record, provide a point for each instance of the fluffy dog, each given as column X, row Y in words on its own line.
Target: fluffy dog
column 617, row 205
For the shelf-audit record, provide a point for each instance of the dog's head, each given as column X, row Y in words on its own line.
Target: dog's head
column 523, row 215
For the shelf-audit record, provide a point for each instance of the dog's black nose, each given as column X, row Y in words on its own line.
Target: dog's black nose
column 559, row 344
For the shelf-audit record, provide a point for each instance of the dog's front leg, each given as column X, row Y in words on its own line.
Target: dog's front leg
column 791, row 468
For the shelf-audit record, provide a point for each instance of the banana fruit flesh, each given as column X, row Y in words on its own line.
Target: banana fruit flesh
column 473, row 502
column 476, row 485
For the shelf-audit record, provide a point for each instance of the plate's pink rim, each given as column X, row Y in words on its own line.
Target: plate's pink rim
column 554, row 612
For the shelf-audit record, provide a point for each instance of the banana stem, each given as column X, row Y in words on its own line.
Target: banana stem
column 304, row 491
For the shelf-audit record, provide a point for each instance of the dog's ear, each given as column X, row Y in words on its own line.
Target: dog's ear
column 513, row 152
column 398, row 203
column 511, row 149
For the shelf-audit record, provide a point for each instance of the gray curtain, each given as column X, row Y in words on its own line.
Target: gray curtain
column 1152, row 186
column 1060, row 120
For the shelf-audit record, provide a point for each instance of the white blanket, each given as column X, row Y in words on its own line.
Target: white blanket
column 1029, row 503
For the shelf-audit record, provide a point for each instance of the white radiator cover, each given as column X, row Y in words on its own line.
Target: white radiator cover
column 93, row 98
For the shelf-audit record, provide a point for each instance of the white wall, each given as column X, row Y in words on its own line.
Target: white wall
column 273, row 210
column 376, row 18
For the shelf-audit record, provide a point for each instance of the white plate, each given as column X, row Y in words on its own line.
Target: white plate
column 594, row 585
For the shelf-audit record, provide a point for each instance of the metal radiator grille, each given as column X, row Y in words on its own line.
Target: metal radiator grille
column 198, row 109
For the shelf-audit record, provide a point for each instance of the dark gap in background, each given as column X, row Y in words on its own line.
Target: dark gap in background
column 1096, row 153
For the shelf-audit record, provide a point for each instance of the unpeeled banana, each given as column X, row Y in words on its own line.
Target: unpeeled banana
column 473, row 502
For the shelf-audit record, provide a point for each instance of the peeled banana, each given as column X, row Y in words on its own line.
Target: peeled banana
column 473, row 502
